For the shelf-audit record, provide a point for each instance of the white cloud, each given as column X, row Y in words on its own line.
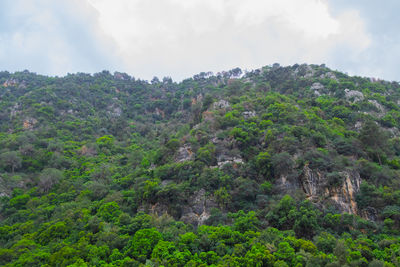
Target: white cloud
column 52, row 37
column 311, row 17
column 180, row 38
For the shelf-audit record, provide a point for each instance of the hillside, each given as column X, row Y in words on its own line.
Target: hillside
column 280, row 166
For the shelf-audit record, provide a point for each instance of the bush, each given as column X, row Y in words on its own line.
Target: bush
column 334, row 179
column 109, row 211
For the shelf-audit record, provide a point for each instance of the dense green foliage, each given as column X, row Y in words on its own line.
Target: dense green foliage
column 105, row 170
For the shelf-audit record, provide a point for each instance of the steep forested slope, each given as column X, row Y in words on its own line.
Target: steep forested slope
column 280, row 166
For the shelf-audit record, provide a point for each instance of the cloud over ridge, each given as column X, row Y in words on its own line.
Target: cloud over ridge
column 180, row 38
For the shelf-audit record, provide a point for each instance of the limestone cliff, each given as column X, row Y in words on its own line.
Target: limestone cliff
column 316, row 187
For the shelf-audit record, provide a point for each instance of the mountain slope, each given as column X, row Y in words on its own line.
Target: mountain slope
column 130, row 170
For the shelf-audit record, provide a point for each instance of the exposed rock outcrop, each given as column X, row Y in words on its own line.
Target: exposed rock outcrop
column 358, row 125
column 343, row 196
column 115, row 111
column 15, row 110
column 195, row 211
column 317, row 88
column 223, row 160
column 378, row 106
column 10, row 82
column 304, row 70
column 4, row 192
column 29, row 123
column 198, row 209
column 329, row 75
column 221, row 104
column 248, row 114
column 353, row 94
column 185, row 153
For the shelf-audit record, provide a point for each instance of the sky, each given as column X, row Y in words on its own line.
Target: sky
column 180, row 38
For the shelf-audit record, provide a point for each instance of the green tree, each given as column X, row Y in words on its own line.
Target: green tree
column 110, row 211
column 222, row 196
column 245, row 222
column 263, row 163
column 282, row 163
column 279, row 216
column 48, row 178
column 10, row 159
column 142, row 244
column 285, row 253
column 163, row 252
column 341, row 252
column 374, row 139
column 206, row 154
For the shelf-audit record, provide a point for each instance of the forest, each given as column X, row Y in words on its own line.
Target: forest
column 278, row 166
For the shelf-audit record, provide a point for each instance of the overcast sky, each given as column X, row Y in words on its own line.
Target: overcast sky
column 180, row 38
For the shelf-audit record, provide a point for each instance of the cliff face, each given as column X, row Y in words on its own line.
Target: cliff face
column 313, row 183
column 316, row 187
column 196, row 209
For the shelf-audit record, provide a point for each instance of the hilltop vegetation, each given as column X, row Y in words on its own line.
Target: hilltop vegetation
column 280, row 166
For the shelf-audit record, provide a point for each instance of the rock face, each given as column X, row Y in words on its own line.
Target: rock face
column 115, row 111
column 223, row 160
column 304, row 70
column 4, row 192
column 15, row 110
column 378, row 106
column 29, row 123
column 358, row 125
column 10, row 82
column 329, row 75
column 355, row 95
column 184, row 153
column 317, row 88
column 221, row 104
column 287, row 184
column 249, row 114
column 198, row 209
column 314, row 184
